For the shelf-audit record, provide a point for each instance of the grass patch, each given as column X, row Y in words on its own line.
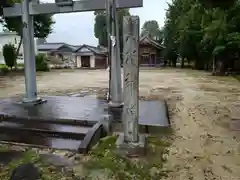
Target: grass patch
column 103, row 157
column 237, row 77
column 2, row 66
column 47, row 171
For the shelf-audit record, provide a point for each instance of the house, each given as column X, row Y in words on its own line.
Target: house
column 59, row 53
column 13, row 38
column 91, row 57
column 86, row 56
column 59, row 50
column 150, row 52
column 83, row 56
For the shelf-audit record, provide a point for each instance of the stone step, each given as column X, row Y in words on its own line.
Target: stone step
column 46, row 130
column 38, row 141
column 33, row 120
column 55, row 136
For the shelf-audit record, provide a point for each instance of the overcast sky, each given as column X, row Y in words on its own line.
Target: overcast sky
column 78, row 28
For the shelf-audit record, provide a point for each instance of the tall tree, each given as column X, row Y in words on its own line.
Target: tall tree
column 152, row 30
column 42, row 24
column 205, row 36
column 100, row 26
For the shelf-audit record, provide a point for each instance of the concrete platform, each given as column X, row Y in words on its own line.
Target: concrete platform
column 80, row 110
column 72, row 123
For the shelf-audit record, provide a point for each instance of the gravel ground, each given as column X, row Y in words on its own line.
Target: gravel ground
column 206, row 146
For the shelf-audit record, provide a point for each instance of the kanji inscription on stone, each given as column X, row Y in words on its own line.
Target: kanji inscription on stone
column 131, row 78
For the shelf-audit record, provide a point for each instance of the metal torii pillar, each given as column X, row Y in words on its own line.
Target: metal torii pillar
column 115, row 85
column 28, row 9
column 29, row 55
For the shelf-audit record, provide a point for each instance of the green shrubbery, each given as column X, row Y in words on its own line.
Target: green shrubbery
column 9, row 54
column 42, row 62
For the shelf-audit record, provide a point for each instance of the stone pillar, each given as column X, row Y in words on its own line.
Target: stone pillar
column 131, row 78
column 79, row 62
column 131, row 142
column 92, row 61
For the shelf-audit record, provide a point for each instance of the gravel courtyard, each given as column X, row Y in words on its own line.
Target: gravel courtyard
column 205, row 144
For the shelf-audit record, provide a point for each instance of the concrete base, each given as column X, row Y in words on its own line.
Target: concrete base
column 36, row 101
column 131, row 149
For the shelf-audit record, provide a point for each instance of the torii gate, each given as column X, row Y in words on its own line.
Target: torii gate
column 29, row 8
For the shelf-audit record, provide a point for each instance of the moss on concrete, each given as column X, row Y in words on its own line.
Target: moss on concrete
column 103, row 157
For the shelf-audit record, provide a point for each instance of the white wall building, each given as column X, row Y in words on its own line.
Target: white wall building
column 13, row 38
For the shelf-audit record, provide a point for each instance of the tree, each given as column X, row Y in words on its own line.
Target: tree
column 100, row 26
column 42, row 24
column 152, row 30
column 5, row 3
column 205, row 36
column 218, row 3
column 9, row 54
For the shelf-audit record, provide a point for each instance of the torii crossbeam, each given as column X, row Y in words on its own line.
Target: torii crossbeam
column 77, row 6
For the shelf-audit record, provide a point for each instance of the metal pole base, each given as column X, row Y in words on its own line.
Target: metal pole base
column 33, row 101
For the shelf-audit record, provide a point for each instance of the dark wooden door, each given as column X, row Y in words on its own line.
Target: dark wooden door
column 85, row 61
column 101, row 63
column 145, row 60
column 153, row 60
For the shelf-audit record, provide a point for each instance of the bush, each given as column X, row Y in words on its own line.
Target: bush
column 9, row 54
column 42, row 62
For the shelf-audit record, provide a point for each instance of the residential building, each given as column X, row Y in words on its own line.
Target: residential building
column 83, row 56
column 13, row 38
column 86, row 56
column 91, row 57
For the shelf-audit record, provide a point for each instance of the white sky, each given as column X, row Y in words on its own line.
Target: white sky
column 78, row 28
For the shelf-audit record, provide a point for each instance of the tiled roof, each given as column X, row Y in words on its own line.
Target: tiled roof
column 55, row 46
column 151, row 41
column 50, row 46
column 96, row 50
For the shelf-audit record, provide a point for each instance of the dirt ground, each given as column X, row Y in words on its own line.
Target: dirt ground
column 205, row 146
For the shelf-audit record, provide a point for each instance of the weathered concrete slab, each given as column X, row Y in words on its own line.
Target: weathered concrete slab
column 47, row 127
column 55, row 124
column 87, row 109
column 41, row 141
column 153, row 113
column 56, row 107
